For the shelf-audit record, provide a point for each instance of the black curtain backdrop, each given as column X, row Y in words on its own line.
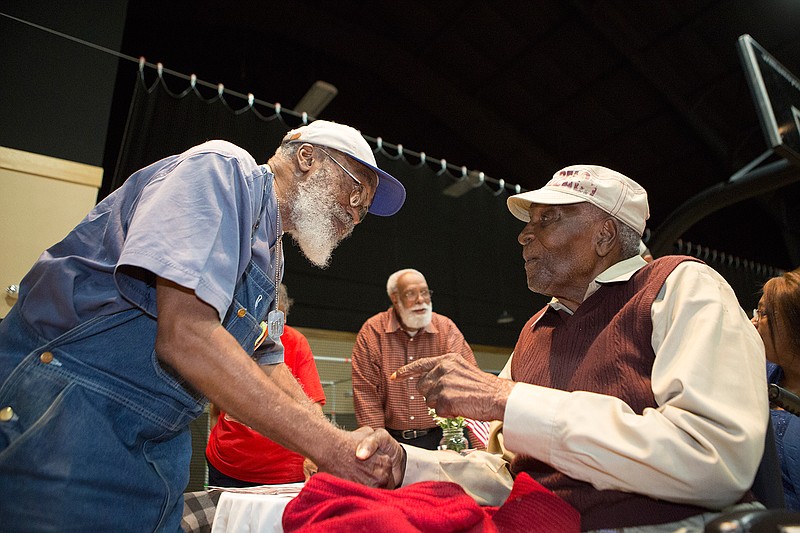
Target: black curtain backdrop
column 466, row 247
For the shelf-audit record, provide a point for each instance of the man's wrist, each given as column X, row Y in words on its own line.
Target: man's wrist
column 326, row 449
column 501, row 396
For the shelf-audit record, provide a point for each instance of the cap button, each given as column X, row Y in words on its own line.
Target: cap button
column 46, row 358
column 241, row 312
column 6, row 414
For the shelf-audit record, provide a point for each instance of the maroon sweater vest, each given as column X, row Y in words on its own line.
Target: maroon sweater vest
column 604, row 348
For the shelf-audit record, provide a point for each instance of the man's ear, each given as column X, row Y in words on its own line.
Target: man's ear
column 607, row 237
column 305, row 157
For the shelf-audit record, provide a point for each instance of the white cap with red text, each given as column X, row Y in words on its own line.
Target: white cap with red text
column 614, row 193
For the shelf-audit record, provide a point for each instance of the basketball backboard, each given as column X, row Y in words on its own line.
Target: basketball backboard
column 776, row 93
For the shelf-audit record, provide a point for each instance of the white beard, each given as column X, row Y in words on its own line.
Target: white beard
column 412, row 320
column 313, row 212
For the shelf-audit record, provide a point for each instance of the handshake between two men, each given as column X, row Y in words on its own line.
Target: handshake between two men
column 451, row 386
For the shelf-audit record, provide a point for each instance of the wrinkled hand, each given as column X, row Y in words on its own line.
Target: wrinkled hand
column 371, row 465
column 381, row 442
column 454, row 387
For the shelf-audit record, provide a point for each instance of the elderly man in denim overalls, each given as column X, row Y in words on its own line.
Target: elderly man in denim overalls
column 154, row 303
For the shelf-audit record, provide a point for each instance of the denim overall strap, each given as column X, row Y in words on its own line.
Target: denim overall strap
column 252, row 299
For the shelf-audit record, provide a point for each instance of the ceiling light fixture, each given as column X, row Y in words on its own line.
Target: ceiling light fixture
column 316, row 98
column 468, row 181
column 505, row 318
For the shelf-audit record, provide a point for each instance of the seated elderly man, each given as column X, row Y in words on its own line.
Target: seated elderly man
column 636, row 394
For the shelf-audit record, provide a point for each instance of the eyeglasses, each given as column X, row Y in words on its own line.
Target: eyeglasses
column 758, row 314
column 411, row 296
column 358, row 194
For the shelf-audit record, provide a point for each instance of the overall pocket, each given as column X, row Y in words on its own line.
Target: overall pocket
column 27, row 398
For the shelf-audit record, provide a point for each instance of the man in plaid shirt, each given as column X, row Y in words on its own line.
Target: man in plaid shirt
column 407, row 331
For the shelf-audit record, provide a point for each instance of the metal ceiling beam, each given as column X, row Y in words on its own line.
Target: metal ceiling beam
column 741, row 186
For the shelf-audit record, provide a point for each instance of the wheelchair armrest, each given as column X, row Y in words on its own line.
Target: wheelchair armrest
column 755, row 521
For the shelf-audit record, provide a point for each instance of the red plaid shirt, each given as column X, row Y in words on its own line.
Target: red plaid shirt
column 381, row 348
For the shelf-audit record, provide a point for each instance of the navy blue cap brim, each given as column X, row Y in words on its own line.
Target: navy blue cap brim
column 390, row 194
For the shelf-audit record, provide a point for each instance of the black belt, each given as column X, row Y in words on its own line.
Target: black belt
column 409, row 434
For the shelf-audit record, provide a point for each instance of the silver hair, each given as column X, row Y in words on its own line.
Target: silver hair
column 629, row 240
column 289, row 149
column 391, row 283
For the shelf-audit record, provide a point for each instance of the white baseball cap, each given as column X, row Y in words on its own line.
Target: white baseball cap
column 390, row 193
column 614, row 193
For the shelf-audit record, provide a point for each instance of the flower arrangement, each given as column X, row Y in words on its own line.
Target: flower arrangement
column 452, row 431
column 446, row 423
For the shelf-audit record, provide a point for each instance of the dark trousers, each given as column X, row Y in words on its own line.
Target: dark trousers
column 218, row 479
column 430, row 440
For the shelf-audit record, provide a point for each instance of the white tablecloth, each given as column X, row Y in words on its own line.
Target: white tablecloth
column 247, row 513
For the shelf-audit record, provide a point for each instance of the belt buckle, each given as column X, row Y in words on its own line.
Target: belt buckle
column 409, row 434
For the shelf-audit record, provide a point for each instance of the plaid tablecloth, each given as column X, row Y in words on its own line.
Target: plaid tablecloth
column 198, row 511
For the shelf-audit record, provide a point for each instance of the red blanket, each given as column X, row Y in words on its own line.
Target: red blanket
column 328, row 503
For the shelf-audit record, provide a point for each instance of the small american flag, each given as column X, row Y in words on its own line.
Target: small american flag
column 479, row 429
